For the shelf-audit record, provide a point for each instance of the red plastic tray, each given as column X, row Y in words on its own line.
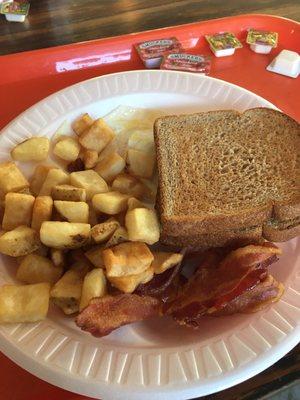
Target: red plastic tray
column 26, row 78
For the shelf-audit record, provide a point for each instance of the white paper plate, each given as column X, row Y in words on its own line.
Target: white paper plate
column 155, row 358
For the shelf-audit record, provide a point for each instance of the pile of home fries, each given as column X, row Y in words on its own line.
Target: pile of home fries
column 78, row 230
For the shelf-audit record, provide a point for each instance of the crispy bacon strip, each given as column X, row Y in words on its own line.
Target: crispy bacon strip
column 104, row 314
column 216, row 283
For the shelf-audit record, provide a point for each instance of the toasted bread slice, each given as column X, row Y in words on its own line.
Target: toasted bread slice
column 222, row 170
column 281, row 231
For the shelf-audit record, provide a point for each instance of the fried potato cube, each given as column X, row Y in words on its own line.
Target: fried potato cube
column 28, row 303
column 64, row 235
column 102, row 232
column 110, row 166
column 73, row 211
column 140, row 163
column 54, row 177
column 18, row 210
column 38, row 178
column 68, row 193
column 58, row 257
column 129, row 258
column 67, row 149
column 94, row 285
column 66, row 293
column 120, row 235
column 42, row 211
column 128, row 184
column 82, row 123
column 129, row 283
column 33, row 149
column 90, row 158
column 90, row 181
column 134, row 203
column 11, row 178
column 142, row 225
column 94, row 255
column 97, row 136
column 38, row 269
column 19, row 242
column 110, row 203
column 164, row 260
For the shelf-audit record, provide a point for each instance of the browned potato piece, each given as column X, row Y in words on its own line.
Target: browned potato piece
column 38, row 178
column 94, row 255
column 129, row 283
column 134, row 203
column 90, row 181
column 33, row 149
column 128, row 184
column 97, row 136
column 67, row 149
column 37, row 269
column 164, row 260
column 64, row 235
column 120, row 235
column 72, row 211
column 90, row 158
column 58, row 257
column 18, row 210
column 110, row 203
column 26, row 303
column 94, row 285
column 19, row 242
column 102, row 232
column 54, row 177
column 66, row 293
column 140, row 163
column 68, row 193
column 142, row 225
column 129, row 258
column 110, row 166
column 82, row 123
column 93, row 216
column 42, row 211
column 11, row 178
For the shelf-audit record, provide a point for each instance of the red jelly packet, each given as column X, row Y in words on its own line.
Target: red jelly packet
column 152, row 51
column 187, row 62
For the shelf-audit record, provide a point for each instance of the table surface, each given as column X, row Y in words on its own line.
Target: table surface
column 57, row 22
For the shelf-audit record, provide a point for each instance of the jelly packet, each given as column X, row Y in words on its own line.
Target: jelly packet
column 187, row 62
column 223, row 44
column 15, row 11
column 260, row 41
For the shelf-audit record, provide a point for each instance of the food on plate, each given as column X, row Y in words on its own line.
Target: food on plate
column 90, row 181
column 55, row 176
column 33, row 149
column 17, row 211
column 11, row 178
column 142, row 225
column 105, row 314
column 151, row 52
column 41, row 212
column 64, row 235
column 19, row 241
column 26, row 303
column 110, row 203
column 38, row 269
column 260, row 41
column 223, row 44
column 91, row 239
column 97, row 136
column 67, row 149
column 94, row 285
column 72, row 211
column 187, row 62
column 233, row 189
